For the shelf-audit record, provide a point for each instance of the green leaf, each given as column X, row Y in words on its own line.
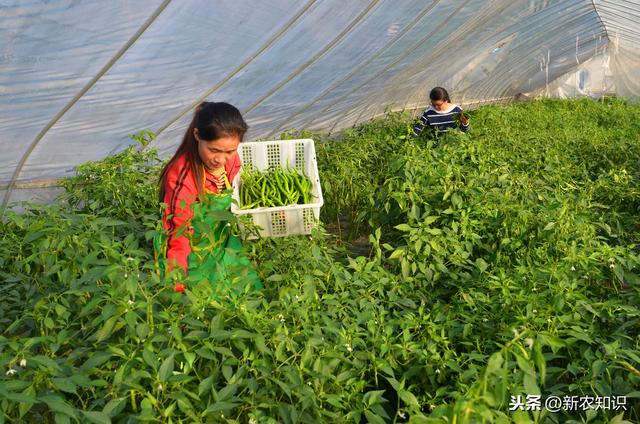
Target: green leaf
column 45, row 361
column 274, row 278
column 97, row 417
column 25, row 407
column 81, row 380
column 619, row 272
column 373, row 418
column 495, row 363
column 205, row 352
column 283, row 386
column 96, row 360
column 524, row 365
column 456, row 200
column 18, row 397
column 239, row 333
column 64, row 384
column 227, row 372
column 404, row 266
column 57, row 404
column 48, row 322
column 106, row 330
column 481, row 265
column 14, row 385
column 150, row 358
column 409, row 399
column 221, row 334
column 114, row 407
column 227, row 392
column 169, row 410
column 147, row 410
column 540, row 362
column 205, row 385
column 142, row 330
column 221, row 406
column 132, row 286
column 193, row 322
column 60, row 418
column 374, row 397
column 32, row 236
column 397, row 386
column 553, row 342
column 398, row 253
column 403, row 227
column 261, row 344
column 335, row 400
column 581, row 335
column 166, row 369
column 190, row 357
column 530, row 385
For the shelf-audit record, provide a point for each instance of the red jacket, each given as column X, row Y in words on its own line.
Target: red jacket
column 180, row 186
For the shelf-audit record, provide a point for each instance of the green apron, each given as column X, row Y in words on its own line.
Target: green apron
column 217, row 255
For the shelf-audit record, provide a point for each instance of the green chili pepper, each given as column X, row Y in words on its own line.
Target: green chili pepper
column 275, row 186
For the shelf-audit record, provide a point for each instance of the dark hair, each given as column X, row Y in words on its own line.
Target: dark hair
column 213, row 120
column 439, row 93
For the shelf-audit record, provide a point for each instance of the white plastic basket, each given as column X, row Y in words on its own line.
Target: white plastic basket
column 282, row 220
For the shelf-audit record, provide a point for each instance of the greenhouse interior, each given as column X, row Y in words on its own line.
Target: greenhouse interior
column 318, row 211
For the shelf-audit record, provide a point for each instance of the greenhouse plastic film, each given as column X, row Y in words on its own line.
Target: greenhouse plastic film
column 78, row 77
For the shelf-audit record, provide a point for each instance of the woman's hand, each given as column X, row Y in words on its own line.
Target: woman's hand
column 463, row 119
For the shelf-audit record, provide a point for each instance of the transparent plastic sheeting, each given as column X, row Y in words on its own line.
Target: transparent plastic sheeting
column 593, row 79
column 77, row 77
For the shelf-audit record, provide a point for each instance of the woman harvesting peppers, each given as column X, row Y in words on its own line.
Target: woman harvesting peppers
column 197, row 179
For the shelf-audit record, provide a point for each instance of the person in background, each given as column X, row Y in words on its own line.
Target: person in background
column 441, row 115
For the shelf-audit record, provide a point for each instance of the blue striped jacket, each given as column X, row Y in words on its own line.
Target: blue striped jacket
column 439, row 122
